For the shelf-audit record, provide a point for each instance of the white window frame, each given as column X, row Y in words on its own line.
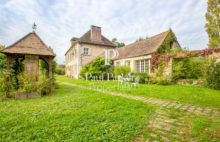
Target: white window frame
column 118, row 63
column 86, row 51
column 143, row 65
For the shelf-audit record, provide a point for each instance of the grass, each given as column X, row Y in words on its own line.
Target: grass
column 73, row 114
column 201, row 96
column 206, row 129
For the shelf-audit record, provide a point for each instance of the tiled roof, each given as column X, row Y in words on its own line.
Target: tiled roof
column 86, row 39
column 143, row 47
column 29, row 44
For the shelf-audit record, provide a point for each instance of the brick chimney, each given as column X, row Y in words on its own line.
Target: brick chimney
column 96, row 33
column 73, row 40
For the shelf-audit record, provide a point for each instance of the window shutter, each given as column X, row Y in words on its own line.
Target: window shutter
column 82, row 50
column 90, row 51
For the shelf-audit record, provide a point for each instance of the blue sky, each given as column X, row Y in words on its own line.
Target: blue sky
column 60, row 20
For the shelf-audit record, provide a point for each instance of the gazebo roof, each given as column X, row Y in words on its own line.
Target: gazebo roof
column 31, row 44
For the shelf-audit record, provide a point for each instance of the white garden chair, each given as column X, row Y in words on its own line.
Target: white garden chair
column 120, row 79
column 137, row 80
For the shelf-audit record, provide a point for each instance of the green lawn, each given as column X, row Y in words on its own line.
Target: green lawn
column 73, row 114
column 201, row 96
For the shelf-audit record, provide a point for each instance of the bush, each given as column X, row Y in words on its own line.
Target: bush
column 213, row 75
column 189, row 68
column 60, row 71
column 27, row 84
column 96, row 68
column 160, row 80
column 16, row 67
column 44, row 85
column 3, row 84
column 122, row 70
column 2, row 62
column 143, row 76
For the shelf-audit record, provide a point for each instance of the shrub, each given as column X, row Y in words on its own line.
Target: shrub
column 96, row 68
column 189, row 68
column 16, row 67
column 27, row 84
column 213, row 74
column 85, row 69
column 3, row 84
column 2, row 62
column 60, row 71
column 143, row 76
column 44, row 84
column 160, row 80
column 122, row 70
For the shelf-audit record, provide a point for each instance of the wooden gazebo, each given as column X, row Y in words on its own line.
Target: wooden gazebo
column 31, row 48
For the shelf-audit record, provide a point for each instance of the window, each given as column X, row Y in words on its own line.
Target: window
column 127, row 63
column 86, row 51
column 118, row 63
column 72, row 55
column 143, row 66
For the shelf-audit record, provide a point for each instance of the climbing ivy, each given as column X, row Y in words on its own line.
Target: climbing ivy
column 167, row 43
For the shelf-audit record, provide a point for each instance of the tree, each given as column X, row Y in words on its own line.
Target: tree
column 2, row 59
column 213, row 74
column 2, row 46
column 119, row 44
column 213, row 23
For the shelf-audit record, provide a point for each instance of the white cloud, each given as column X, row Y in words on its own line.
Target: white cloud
column 127, row 20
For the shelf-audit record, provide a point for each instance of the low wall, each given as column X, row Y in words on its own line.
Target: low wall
column 19, row 95
column 190, row 82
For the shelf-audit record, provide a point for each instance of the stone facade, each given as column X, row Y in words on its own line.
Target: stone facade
column 169, row 68
column 32, row 65
column 75, row 58
column 85, row 49
column 95, row 51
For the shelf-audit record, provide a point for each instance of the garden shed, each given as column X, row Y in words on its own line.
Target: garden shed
column 30, row 48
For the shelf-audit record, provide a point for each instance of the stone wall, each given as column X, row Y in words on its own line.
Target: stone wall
column 168, row 69
column 32, row 65
column 74, row 62
column 27, row 95
column 96, row 50
column 216, row 55
column 72, row 59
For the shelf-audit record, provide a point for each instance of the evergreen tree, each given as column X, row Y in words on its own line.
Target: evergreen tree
column 213, row 23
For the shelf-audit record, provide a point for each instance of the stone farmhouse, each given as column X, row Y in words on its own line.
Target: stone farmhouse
column 85, row 49
column 92, row 44
column 137, row 55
